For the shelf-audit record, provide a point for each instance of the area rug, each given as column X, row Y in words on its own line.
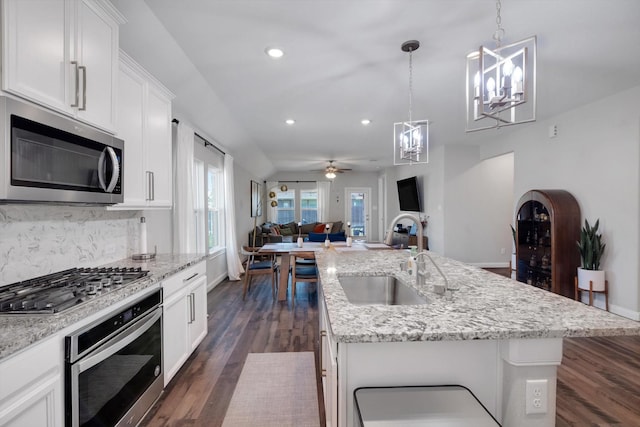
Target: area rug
column 275, row 390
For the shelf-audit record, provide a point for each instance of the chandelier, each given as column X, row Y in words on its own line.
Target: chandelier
column 501, row 83
column 410, row 138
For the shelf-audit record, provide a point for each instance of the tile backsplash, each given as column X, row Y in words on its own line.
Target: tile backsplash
column 41, row 239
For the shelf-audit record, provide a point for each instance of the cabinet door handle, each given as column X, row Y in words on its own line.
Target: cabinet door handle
column 193, row 307
column 84, row 87
column 189, row 278
column 153, row 186
column 323, row 334
column 77, row 84
column 189, row 298
column 148, row 185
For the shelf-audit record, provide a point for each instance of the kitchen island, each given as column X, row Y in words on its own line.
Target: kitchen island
column 490, row 334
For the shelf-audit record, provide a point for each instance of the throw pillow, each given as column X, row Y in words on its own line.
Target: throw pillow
column 275, row 230
column 317, row 237
column 293, row 226
column 333, row 237
column 286, row 231
column 319, row 228
column 337, row 227
column 307, row 228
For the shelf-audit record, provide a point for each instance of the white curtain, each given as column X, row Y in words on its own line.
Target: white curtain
column 272, row 211
column 324, row 193
column 234, row 265
column 184, row 230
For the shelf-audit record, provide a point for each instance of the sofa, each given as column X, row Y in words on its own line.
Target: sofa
column 276, row 233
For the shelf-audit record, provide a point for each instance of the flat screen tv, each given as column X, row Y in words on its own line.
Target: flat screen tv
column 409, row 195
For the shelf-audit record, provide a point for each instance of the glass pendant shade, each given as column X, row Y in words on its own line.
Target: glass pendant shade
column 501, row 85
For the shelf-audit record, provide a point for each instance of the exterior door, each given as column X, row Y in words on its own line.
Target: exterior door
column 358, row 211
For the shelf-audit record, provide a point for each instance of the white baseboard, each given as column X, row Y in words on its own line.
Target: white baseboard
column 624, row 312
column 490, row 264
column 216, row 281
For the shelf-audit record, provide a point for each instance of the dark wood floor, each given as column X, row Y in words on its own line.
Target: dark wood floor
column 200, row 392
column 598, row 382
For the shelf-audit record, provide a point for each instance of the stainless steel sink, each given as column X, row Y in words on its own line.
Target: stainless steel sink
column 385, row 290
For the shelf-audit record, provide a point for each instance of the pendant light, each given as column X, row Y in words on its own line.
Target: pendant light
column 410, row 138
column 501, row 83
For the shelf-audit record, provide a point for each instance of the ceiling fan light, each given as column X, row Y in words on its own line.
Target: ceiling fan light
column 330, row 174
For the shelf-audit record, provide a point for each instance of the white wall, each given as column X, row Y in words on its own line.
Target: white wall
column 596, row 157
column 243, row 220
column 478, row 202
column 338, row 185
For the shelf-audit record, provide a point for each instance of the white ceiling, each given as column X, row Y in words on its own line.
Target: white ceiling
column 343, row 63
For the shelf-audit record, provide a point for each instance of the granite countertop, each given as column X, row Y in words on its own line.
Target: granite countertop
column 17, row 331
column 486, row 305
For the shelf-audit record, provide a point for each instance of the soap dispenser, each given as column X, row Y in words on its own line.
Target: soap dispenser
column 412, row 267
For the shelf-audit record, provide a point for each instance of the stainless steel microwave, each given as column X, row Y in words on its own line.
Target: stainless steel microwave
column 45, row 157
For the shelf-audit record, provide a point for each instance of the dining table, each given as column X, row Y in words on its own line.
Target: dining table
column 286, row 249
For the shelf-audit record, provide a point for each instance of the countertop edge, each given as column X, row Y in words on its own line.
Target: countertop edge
column 18, row 332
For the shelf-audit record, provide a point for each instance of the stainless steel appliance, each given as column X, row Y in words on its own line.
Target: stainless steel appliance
column 45, row 157
column 56, row 292
column 113, row 367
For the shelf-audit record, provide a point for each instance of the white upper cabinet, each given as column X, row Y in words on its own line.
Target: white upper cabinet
column 144, row 123
column 63, row 54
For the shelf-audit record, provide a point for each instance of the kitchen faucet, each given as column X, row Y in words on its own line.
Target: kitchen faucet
column 422, row 275
column 389, row 237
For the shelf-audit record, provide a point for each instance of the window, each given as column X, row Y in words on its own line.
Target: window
column 215, row 208
column 286, row 206
column 308, row 206
column 208, row 199
column 198, row 204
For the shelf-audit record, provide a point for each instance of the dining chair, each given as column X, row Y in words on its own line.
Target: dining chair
column 258, row 264
column 303, row 269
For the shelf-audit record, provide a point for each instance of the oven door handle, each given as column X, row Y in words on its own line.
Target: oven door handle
column 119, row 342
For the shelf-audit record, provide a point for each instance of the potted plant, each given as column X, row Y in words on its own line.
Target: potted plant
column 591, row 250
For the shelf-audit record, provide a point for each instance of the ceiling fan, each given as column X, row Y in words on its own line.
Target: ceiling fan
column 330, row 171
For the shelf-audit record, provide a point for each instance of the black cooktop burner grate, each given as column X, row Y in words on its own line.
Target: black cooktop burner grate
column 56, row 292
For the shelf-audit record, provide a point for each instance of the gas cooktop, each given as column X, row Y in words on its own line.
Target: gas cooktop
column 57, row 292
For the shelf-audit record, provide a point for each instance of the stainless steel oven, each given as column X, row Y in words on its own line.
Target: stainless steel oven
column 113, row 369
column 45, row 157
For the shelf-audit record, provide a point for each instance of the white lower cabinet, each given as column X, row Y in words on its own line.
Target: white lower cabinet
column 31, row 386
column 328, row 367
column 184, row 323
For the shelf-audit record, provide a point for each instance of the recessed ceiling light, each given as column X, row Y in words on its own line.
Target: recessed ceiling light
column 365, row 121
column 274, row 52
column 290, row 121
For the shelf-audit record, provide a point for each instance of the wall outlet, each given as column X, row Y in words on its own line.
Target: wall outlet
column 503, row 251
column 536, row 396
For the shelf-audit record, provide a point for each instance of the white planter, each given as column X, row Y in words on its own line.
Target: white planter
column 299, row 242
column 595, row 276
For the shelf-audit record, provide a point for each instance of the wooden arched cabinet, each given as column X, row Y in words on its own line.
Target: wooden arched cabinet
column 547, row 229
